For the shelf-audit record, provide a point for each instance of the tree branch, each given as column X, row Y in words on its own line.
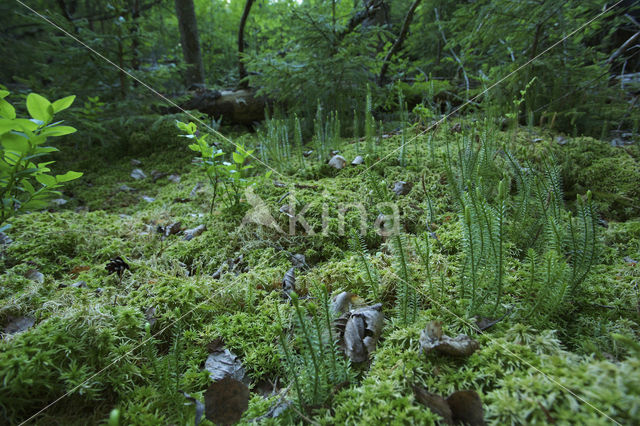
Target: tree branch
column 398, row 43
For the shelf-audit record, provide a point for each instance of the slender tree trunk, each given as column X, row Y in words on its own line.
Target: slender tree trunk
column 134, row 30
column 186, row 14
column 242, row 72
column 398, row 43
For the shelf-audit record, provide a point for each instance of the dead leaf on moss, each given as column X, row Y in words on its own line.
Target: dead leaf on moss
column 199, row 407
column 357, row 161
column 289, row 283
column 435, row 403
column 237, row 266
column 222, row 363
column 190, row 234
column 171, row 229
column 466, row 408
column 150, row 315
column 432, row 339
column 76, row 270
column 138, row 174
column 402, row 188
column 359, row 330
column 337, row 162
column 225, row 401
column 35, row 275
column 461, row 407
column 17, row 325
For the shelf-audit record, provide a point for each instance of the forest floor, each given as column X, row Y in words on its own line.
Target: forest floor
column 76, row 335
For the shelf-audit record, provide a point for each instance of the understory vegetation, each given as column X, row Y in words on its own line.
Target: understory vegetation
column 418, row 212
column 511, row 245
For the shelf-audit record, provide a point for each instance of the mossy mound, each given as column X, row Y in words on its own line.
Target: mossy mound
column 93, row 343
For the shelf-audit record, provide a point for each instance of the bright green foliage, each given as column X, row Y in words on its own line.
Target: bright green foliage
column 407, row 296
column 228, row 179
column 318, row 366
column 22, row 145
column 358, row 246
column 534, row 219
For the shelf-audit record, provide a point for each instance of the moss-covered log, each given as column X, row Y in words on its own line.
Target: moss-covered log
column 234, row 106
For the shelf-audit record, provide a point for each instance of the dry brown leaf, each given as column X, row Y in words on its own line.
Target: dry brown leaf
column 466, row 408
column 225, row 401
column 435, row 403
column 76, row 271
column 362, row 328
column 432, row 339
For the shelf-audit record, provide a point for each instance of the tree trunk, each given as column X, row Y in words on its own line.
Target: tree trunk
column 242, row 72
column 186, row 14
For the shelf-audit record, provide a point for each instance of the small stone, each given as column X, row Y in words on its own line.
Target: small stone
column 337, row 162
column 59, row 201
column 79, row 284
column 357, row 161
column 561, row 140
column 136, row 163
column 174, row 178
column 126, row 188
column 138, row 174
column 148, row 199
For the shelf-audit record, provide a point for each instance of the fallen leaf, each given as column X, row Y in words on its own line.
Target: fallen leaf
column 343, row 302
column 432, row 339
column 76, row 270
column 17, row 325
column 337, row 162
column 222, row 363
column 401, row 187
column 117, row 265
column 289, row 283
column 156, row 175
column 138, row 174
column 466, row 408
column 357, row 161
column 35, row 275
column 461, row 407
column 150, row 316
column 226, row 400
column 171, row 229
column 190, row 234
column 299, row 261
column 435, row 403
column 199, row 407
column 361, row 331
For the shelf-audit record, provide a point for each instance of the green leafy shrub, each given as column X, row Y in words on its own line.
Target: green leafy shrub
column 228, row 179
column 22, row 144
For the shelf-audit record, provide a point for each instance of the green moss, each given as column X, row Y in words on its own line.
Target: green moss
column 78, row 331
